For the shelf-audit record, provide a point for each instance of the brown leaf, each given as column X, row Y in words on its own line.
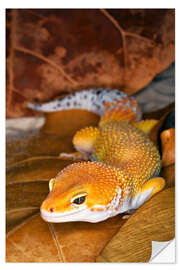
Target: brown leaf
column 29, row 194
column 169, row 174
column 68, row 122
column 15, row 217
column 158, row 114
column 63, row 242
column 154, row 221
column 168, row 156
column 68, row 242
column 43, row 63
column 168, row 147
column 54, row 138
column 38, row 168
column 37, row 146
column 32, row 242
column 23, row 200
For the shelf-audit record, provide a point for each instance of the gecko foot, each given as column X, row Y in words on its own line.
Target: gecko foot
column 128, row 214
column 73, row 156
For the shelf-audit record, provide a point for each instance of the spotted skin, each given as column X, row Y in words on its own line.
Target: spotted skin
column 93, row 100
column 124, row 167
column 123, row 145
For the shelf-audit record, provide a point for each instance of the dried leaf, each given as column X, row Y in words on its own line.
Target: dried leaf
column 72, row 242
column 158, row 114
column 154, row 221
column 23, row 200
column 63, row 123
column 15, row 217
column 64, row 242
column 54, row 138
column 169, row 174
column 168, row 147
column 43, row 63
column 29, row 194
column 168, row 156
column 38, row 168
column 32, row 242
column 37, row 145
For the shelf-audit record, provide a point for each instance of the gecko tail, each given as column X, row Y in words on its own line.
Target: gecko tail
column 35, row 107
column 52, row 106
column 102, row 102
column 85, row 100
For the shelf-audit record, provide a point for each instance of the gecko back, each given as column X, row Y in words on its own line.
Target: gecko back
column 124, row 146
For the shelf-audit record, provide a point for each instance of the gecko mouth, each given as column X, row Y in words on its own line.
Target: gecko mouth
column 63, row 217
column 78, row 215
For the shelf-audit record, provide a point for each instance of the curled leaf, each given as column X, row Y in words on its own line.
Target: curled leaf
column 154, row 221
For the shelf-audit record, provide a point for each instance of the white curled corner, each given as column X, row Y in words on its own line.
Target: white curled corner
column 157, row 250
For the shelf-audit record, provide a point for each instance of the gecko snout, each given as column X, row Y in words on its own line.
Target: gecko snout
column 47, row 206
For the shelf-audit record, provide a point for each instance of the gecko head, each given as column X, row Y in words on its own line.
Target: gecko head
column 85, row 138
column 80, row 192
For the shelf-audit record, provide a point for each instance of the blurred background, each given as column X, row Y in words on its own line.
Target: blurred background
column 53, row 52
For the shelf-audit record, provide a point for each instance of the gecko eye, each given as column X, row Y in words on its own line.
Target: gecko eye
column 79, row 199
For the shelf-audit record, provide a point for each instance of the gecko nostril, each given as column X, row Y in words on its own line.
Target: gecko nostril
column 51, row 210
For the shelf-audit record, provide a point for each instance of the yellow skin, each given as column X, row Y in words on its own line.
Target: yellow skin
column 122, row 176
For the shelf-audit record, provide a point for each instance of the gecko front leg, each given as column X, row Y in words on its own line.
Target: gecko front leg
column 149, row 189
column 83, row 142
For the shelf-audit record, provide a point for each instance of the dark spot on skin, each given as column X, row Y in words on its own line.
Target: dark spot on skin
column 98, row 92
column 97, row 107
column 92, row 99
